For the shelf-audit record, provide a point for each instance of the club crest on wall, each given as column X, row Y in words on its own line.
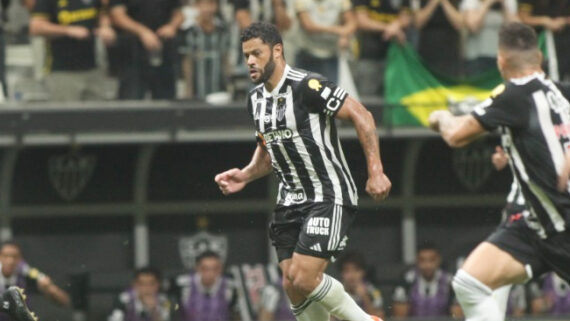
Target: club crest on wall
column 70, row 173
column 472, row 165
column 191, row 247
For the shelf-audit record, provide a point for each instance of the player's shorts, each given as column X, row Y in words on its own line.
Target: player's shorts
column 315, row 229
column 537, row 255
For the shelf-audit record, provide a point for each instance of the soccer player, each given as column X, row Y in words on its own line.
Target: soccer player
column 534, row 118
column 294, row 114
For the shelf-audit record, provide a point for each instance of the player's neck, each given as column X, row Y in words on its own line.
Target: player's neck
column 275, row 77
column 522, row 73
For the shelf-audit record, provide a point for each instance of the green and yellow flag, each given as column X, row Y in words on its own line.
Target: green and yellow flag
column 412, row 91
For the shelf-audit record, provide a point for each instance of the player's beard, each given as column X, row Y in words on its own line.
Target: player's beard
column 267, row 72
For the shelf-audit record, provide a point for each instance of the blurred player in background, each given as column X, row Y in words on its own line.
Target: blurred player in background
column 533, row 116
column 206, row 294
column 294, row 115
column 353, row 276
column 426, row 289
column 144, row 300
column 16, row 272
column 550, row 296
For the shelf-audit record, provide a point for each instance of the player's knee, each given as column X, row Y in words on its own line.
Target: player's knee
column 301, row 279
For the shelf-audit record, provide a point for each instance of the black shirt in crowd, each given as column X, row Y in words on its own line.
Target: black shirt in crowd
column 65, row 53
column 371, row 44
column 151, row 13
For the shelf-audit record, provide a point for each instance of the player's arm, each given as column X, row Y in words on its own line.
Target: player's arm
column 378, row 184
column 457, row 131
column 235, row 179
column 52, row 291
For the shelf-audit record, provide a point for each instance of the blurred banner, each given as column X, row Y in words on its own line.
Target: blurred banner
column 413, row 91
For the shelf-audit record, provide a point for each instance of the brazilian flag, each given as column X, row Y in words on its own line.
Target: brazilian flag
column 412, row 91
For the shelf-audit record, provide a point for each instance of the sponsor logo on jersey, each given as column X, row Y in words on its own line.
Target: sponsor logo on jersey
column 315, row 85
column 295, row 197
column 318, row 226
column 278, row 135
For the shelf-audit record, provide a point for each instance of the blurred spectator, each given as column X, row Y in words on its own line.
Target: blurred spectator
column 353, row 276
column 206, row 295
column 439, row 24
column 143, row 301
column 550, row 295
column 70, row 27
column 16, row 272
column 426, row 288
column 275, row 11
column 149, row 60
column 517, row 304
column 205, row 49
column 378, row 23
column 274, row 305
column 327, row 28
column 552, row 15
column 483, row 19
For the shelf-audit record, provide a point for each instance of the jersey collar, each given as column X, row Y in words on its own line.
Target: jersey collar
column 523, row 80
column 275, row 90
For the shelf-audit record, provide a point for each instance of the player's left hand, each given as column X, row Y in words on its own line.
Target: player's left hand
column 166, row 32
column 378, row 186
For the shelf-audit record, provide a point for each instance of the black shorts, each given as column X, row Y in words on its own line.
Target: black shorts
column 538, row 255
column 315, row 229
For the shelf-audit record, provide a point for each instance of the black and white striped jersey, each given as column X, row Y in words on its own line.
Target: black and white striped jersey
column 534, row 118
column 295, row 122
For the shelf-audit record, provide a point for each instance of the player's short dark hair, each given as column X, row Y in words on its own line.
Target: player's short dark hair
column 352, row 257
column 207, row 255
column 267, row 32
column 427, row 246
column 150, row 270
column 10, row 243
column 517, row 36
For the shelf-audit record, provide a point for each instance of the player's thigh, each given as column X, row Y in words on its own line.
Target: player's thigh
column 494, row 267
column 324, row 233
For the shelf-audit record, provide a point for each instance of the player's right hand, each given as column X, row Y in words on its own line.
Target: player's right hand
column 77, row 32
column 231, row 181
column 378, row 186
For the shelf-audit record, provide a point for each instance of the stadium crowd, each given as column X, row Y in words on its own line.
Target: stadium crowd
column 109, row 49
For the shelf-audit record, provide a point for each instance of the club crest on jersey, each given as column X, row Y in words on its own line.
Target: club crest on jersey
column 315, row 85
column 278, row 135
column 318, row 226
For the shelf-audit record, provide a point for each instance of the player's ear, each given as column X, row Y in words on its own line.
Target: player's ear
column 277, row 51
